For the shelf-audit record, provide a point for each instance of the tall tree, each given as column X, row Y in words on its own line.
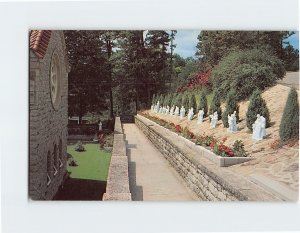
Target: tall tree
column 88, row 76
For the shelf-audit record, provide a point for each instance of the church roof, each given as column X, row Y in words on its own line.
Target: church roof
column 39, row 40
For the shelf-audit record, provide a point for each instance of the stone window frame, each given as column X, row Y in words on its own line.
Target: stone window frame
column 60, row 156
column 57, row 71
column 55, row 160
column 49, row 168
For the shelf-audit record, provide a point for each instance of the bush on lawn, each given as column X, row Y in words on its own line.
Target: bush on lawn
column 79, row 147
column 246, row 71
column 216, row 105
column 256, row 106
column 289, row 126
column 203, row 104
column 231, row 106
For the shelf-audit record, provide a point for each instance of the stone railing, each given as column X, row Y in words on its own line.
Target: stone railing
column 117, row 188
column 205, row 178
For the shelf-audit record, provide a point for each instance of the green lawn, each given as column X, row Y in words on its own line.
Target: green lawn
column 93, row 163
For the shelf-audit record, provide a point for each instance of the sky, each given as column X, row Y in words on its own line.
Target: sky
column 186, row 41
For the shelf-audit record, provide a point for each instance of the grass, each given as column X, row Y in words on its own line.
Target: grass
column 87, row 181
column 92, row 164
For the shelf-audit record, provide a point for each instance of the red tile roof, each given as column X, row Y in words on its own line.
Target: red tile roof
column 39, row 40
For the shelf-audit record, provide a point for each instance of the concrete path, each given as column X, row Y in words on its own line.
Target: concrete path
column 290, row 79
column 151, row 178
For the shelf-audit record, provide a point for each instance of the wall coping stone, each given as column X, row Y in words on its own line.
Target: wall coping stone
column 118, row 126
column 239, row 186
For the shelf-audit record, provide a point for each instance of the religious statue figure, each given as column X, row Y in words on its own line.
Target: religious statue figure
column 172, row 110
column 232, row 123
column 200, row 116
column 214, row 120
column 259, row 128
column 167, row 110
column 182, row 112
column 176, row 111
column 191, row 114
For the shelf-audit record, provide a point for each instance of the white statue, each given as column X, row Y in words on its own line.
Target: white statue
column 200, row 116
column 176, row 111
column 100, row 125
column 182, row 112
column 191, row 114
column 167, row 110
column 172, row 111
column 259, row 128
column 232, row 123
column 160, row 109
column 157, row 107
column 214, row 120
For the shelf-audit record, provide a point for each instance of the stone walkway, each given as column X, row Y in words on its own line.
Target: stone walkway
column 151, row 177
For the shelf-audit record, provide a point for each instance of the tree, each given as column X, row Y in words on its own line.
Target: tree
column 185, row 101
column 214, row 45
column 289, row 126
column 192, row 102
column 216, row 105
column 203, row 104
column 179, row 100
column 256, row 106
column 88, row 78
column 245, row 71
column 153, row 99
column 231, row 106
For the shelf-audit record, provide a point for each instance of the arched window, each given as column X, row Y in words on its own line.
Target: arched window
column 60, row 160
column 55, row 79
column 48, row 168
column 55, row 164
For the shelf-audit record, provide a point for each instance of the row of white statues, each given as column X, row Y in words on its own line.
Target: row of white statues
column 259, row 127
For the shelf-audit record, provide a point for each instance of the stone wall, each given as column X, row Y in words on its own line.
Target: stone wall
column 47, row 126
column 206, row 179
column 117, row 188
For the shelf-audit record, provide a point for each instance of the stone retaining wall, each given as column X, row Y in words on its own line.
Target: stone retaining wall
column 117, row 188
column 205, row 178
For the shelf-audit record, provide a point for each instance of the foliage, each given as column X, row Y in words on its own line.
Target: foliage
column 214, row 45
column 239, row 149
column 188, row 134
column 256, row 106
column 187, row 72
column 216, row 105
column 178, row 102
column 192, row 102
column 203, row 104
column 197, row 80
column 291, row 58
column 231, row 106
column 79, row 146
column 245, row 71
column 185, row 100
column 289, row 126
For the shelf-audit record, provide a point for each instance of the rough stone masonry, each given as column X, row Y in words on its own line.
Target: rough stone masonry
column 48, row 113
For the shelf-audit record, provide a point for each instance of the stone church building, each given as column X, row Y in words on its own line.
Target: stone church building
column 48, row 113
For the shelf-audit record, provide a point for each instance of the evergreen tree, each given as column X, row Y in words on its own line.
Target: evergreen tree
column 192, row 103
column 171, row 96
column 179, row 100
column 153, row 99
column 203, row 104
column 256, row 106
column 231, row 106
column 216, row 105
column 289, row 126
column 166, row 100
column 185, row 101
column 161, row 99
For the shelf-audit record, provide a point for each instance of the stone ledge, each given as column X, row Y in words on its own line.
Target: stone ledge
column 118, row 179
column 119, row 146
column 117, row 197
column 234, row 186
column 118, row 126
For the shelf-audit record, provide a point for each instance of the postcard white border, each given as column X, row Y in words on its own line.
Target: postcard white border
column 21, row 215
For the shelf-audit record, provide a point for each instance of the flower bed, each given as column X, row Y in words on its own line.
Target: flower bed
column 209, row 142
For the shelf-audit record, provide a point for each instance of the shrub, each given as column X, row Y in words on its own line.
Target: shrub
column 166, row 100
column 153, row 99
column 256, row 106
column 178, row 101
column 192, row 103
column 231, row 106
column 216, row 105
column 203, row 103
column 185, row 101
column 246, row 71
column 289, row 126
column 239, row 149
column 170, row 102
column 79, row 146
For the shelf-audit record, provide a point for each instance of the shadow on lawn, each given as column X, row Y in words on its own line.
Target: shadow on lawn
column 81, row 190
